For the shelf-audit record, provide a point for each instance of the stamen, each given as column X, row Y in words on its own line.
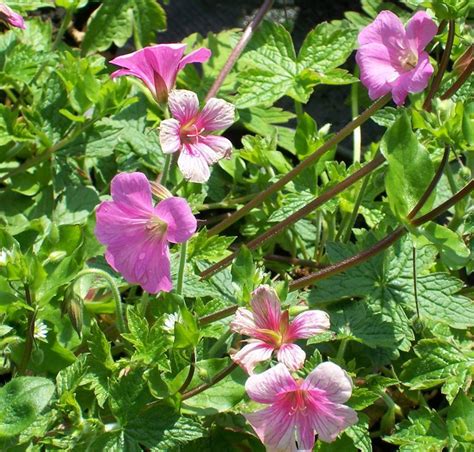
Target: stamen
column 157, row 227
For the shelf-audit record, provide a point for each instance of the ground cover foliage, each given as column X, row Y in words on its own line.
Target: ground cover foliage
column 380, row 240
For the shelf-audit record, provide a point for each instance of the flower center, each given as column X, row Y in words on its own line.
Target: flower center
column 190, row 134
column 157, row 227
column 408, row 60
column 298, row 402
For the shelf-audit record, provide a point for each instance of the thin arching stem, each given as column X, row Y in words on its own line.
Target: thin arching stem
column 239, row 48
column 310, row 160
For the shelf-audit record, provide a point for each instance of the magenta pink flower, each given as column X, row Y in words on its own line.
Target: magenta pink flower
column 392, row 58
column 10, row 17
column 189, row 132
column 300, row 408
column 158, row 66
column 137, row 234
column 271, row 330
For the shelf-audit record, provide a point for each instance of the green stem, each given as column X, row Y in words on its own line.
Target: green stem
column 310, row 160
column 181, row 269
column 115, row 293
column 357, row 141
column 299, row 110
column 216, row 347
column 166, row 169
column 341, row 350
column 229, row 204
column 62, row 29
column 355, row 211
column 189, row 377
column 30, row 332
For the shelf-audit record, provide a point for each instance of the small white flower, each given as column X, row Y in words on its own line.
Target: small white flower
column 170, row 320
column 40, row 331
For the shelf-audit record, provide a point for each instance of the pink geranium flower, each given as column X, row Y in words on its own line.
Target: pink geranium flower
column 137, row 234
column 299, row 409
column 189, row 132
column 271, row 330
column 158, row 66
column 392, row 58
column 10, row 17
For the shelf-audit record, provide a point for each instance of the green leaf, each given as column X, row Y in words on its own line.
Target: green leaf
column 111, row 23
column 186, row 330
column 423, row 430
column 410, row 169
column 453, row 250
column 243, row 270
column 21, row 401
column 438, row 362
column 71, row 377
column 149, row 18
column 211, row 249
column 460, row 422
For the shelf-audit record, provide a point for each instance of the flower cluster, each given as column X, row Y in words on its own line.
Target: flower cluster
column 298, row 408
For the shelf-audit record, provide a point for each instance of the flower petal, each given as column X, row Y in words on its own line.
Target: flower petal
column 292, row 356
column 178, row 215
column 275, row 428
column 170, row 140
column 305, row 433
column 222, row 147
column 265, row 387
column 243, row 322
column 217, row 114
column 194, row 167
column 266, row 308
column 197, row 56
column 164, row 59
column 332, row 421
column 333, row 380
column 421, row 30
column 377, row 71
column 133, row 190
column 252, row 354
column 386, row 29
column 11, row 17
column 308, row 324
column 183, row 105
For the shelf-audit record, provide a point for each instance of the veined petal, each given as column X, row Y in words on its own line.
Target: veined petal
column 265, row 387
column 305, row 433
column 183, row 105
column 11, row 17
column 308, row 324
column 333, row 380
column 292, row 356
column 275, row 427
column 221, row 146
column 243, row 322
column 136, row 64
column 206, row 152
column 332, row 421
column 165, row 59
column 133, row 190
column 377, row 71
column 170, row 140
column 267, row 308
column 193, row 166
column 179, row 217
column 197, row 56
column 386, row 29
column 252, row 354
column 421, row 30
column 217, row 114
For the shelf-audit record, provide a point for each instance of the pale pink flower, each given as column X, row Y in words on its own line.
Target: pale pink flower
column 189, row 132
column 392, row 58
column 10, row 17
column 158, row 66
column 299, row 409
column 137, row 234
column 271, row 330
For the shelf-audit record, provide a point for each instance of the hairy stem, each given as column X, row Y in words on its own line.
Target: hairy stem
column 381, row 245
column 341, row 135
column 218, row 377
column 442, row 67
column 219, row 315
column 189, row 378
column 320, row 200
column 356, row 135
column 459, row 82
column 239, row 48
